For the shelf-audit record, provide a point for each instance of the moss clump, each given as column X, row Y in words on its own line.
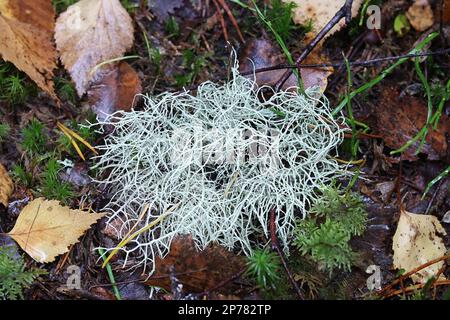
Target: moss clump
column 13, row 276
column 325, row 236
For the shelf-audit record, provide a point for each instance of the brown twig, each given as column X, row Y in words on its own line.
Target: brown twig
column 222, row 20
column 415, row 270
column 276, row 247
column 223, row 283
column 415, row 287
column 345, row 11
column 233, row 20
column 342, row 63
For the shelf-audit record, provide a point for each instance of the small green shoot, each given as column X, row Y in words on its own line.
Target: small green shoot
column 110, row 276
column 34, row 139
column 172, row 28
column 4, row 131
column 263, row 266
column 65, row 89
column 384, row 73
column 21, row 175
column 401, row 25
column 52, row 187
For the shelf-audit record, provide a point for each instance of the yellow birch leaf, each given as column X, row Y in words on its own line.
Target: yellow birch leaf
column 6, row 186
column 26, row 39
column 90, row 32
column 45, row 229
column 418, row 239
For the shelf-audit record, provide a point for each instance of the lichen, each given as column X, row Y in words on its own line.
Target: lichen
column 217, row 162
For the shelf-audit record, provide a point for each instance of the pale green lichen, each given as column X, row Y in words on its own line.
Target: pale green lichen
column 222, row 159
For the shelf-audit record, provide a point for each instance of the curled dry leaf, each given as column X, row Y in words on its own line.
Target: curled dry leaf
column 418, row 239
column 420, row 15
column 6, row 186
column 320, row 12
column 198, row 271
column 26, row 39
column 91, row 32
column 114, row 89
column 45, row 229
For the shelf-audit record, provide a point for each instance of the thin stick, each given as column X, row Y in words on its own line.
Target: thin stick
column 233, row 20
column 345, row 11
column 222, row 20
column 406, row 275
column 276, row 247
column 415, row 287
column 342, row 63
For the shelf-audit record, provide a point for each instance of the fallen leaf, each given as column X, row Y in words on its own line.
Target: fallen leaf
column 114, row 89
column 262, row 53
column 398, row 119
column 26, row 39
column 446, row 13
column 163, row 8
column 45, row 229
column 320, row 13
column 198, row 271
column 315, row 77
column 420, row 15
column 91, row 32
column 6, row 186
column 418, row 239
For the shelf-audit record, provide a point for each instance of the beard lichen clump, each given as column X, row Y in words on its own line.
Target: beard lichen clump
column 215, row 164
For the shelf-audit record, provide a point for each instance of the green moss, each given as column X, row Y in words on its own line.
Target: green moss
column 34, row 138
column 4, row 131
column 52, row 187
column 14, row 85
column 325, row 237
column 65, row 89
column 13, row 276
column 263, row 266
column 22, row 176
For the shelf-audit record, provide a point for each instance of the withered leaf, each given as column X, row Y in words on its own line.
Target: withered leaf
column 45, row 229
column 418, row 239
column 6, row 186
column 398, row 119
column 262, row 53
column 91, row 32
column 114, row 89
column 26, row 39
column 198, row 271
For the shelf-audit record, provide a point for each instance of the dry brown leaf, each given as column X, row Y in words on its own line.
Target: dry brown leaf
column 316, row 77
column 91, row 32
column 198, row 271
column 420, row 15
column 114, row 90
column 399, row 118
column 418, row 239
column 26, row 39
column 262, row 53
column 45, row 229
column 6, row 186
column 320, row 12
